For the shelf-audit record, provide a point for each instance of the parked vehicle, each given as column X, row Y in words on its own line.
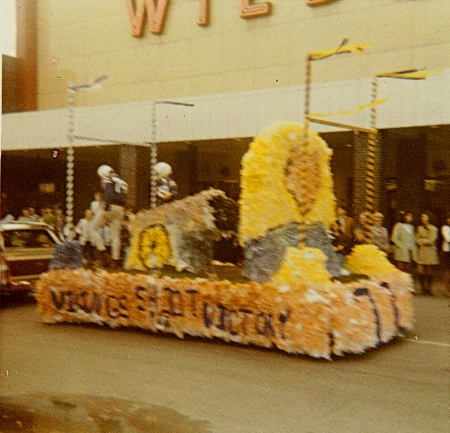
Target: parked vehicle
column 25, row 253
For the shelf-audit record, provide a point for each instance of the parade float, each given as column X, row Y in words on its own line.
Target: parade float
column 298, row 295
column 295, row 292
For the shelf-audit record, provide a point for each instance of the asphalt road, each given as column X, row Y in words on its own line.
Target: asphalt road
column 88, row 378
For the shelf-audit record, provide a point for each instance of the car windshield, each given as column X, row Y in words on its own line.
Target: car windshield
column 27, row 239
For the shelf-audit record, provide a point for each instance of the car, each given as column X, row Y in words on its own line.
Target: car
column 26, row 249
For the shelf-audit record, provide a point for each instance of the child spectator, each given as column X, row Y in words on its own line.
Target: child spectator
column 84, row 230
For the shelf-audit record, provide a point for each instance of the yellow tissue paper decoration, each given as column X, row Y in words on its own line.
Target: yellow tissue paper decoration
column 301, row 269
column 350, row 319
column 267, row 201
column 301, row 310
column 368, row 260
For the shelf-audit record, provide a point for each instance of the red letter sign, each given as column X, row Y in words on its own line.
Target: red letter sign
column 249, row 10
column 156, row 11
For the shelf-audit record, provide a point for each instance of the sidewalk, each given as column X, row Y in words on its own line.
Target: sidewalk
column 439, row 288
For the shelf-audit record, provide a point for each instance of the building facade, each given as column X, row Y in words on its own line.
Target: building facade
column 201, row 78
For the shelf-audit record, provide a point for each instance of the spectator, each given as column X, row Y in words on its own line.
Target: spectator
column 380, row 234
column 358, row 238
column 445, row 231
column 99, row 229
column 60, row 222
column 340, row 242
column 363, row 221
column 48, row 217
column 33, row 215
column 346, row 223
column 405, row 250
column 42, row 241
column 427, row 255
column 26, row 216
column 84, row 230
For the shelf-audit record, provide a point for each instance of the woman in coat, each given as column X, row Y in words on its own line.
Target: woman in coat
column 445, row 231
column 380, row 234
column 403, row 238
column 427, row 254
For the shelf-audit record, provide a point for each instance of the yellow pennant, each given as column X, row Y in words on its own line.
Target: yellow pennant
column 352, row 48
column 357, row 110
column 410, row 75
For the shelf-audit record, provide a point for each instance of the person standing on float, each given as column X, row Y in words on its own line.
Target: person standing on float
column 166, row 187
column 427, row 254
column 115, row 199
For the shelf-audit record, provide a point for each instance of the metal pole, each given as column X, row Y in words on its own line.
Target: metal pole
column 303, row 151
column 70, row 165
column 153, row 159
column 370, row 173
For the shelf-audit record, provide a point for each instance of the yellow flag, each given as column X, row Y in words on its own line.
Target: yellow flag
column 409, row 75
column 352, row 48
column 360, row 108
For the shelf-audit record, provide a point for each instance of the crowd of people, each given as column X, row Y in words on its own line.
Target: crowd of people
column 413, row 249
column 52, row 215
column 104, row 230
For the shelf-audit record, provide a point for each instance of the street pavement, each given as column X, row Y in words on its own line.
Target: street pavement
column 78, row 378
